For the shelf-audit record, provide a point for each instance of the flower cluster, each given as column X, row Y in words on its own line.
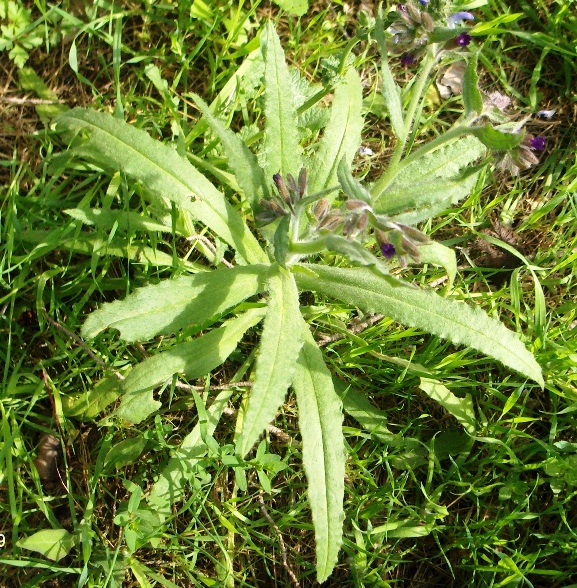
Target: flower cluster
column 394, row 239
column 289, row 194
column 413, row 28
column 523, row 156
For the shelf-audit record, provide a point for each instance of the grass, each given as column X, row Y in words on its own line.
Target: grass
column 434, row 509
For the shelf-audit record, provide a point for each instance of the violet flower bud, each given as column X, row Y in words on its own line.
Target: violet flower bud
column 538, row 143
column 407, row 59
column 282, row 188
column 388, row 250
column 464, row 39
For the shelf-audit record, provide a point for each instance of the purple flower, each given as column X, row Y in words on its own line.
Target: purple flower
column 538, row 143
column 463, row 39
column 458, row 18
column 424, row 2
column 402, row 7
column 388, row 250
column 407, row 59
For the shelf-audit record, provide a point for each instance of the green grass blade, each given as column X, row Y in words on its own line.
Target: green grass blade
column 459, row 323
column 280, row 345
column 195, row 359
column 320, row 424
column 172, row 305
column 342, row 135
column 281, row 141
column 172, row 481
column 116, row 145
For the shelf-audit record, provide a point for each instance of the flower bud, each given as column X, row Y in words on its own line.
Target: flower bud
column 356, row 205
column 321, row 209
column 332, row 221
column 282, row 188
column 303, row 182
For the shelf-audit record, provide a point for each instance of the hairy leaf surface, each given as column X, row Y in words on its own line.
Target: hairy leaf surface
column 281, row 341
column 320, row 424
column 423, row 181
column 117, row 145
column 459, row 323
column 171, row 305
column 342, row 135
column 241, row 161
column 195, row 359
column 281, row 142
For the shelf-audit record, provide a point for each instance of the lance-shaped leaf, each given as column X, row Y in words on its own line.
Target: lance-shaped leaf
column 350, row 185
column 281, row 341
column 194, row 359
column 390, row 90
column 241, row 161
column 471, row 95
column 171, row 305
column 435, row 177
column 458, row 322
column 281, row 142
column 320, row 424
column 342, row 135
column 116, row 145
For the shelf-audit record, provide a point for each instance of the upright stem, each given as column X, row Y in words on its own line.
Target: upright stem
column 427, row 65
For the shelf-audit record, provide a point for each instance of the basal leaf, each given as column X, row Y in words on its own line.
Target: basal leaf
column 460, row 408
column 171, row 305
column 426, row 199
column 117, row 145
column 281, row 142
column 320, row 424
column 195, row 359
column 342, row 135
column 281, row 341
column 241, row 161
column 458, row 322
